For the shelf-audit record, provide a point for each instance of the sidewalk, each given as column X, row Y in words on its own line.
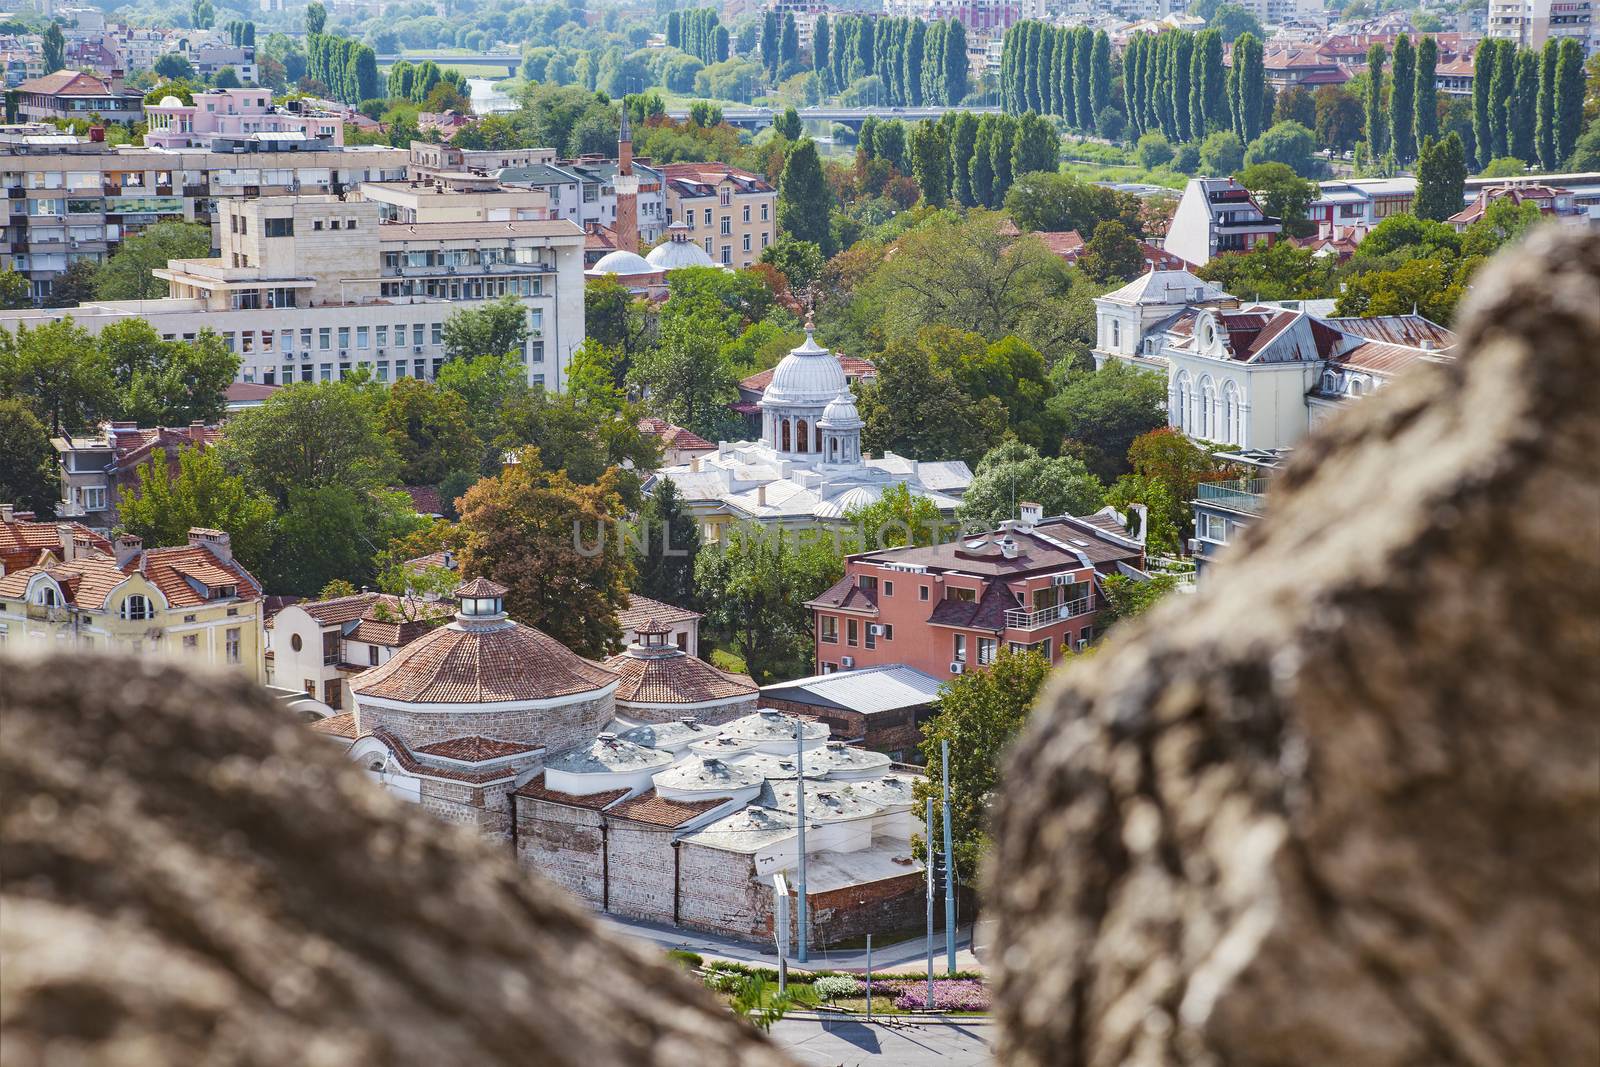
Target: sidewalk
column 906, row 957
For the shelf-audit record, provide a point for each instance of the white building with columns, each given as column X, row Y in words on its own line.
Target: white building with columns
column 808, row 469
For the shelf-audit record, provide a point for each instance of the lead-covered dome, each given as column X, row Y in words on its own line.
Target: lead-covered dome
column 622, row 263
column 678, row 251
column 808, row 375
column 841, row 413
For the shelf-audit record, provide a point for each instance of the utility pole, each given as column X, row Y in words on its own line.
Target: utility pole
column 949, row 872
column 869, row 978
column 928, row 840
column 800, row 819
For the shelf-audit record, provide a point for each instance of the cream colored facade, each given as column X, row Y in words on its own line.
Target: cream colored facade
column 455, row 198
column 733, row 216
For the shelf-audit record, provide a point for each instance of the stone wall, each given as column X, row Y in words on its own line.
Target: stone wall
column 555, row 728
column 562, row 843
column 716, row 716
column 721, row 894
column 642, row 871
column 886, row 906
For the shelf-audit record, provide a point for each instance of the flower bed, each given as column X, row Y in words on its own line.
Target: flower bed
column 958, row 994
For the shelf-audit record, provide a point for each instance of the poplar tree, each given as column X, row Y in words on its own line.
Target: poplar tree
column 911, row 69
column 1082, row 78
column 1483, row 65
column 1248, row 80
column 1182, row 87
column 1376, row 124
column 1402, row 101
column 803, row 197
column 1208, row 112
column 1062, row 85
column 821, row 60
column 930, row 162
column 1161, row 84
column 1099, row 79
column 1425, row 99
column 1037, row 146
column 1568, row 98
column 1545, row 120
column 1522, row 109
column 674, row 29
column 1005, row 132
column 1049, row 90
column 980, row 170
column 1501, row 87
column 1441, row 177
column 956, row 81
column 769, row 42
column 1130, row 87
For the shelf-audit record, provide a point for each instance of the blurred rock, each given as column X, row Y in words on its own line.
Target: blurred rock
column 192, row 877
column 1344, row 806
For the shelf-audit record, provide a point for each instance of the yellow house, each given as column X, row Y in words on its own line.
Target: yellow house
column 193, row 602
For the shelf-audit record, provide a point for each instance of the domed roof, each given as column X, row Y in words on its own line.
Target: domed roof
column 808, row 375
column 472, row 663
column 841, row 413
column 622, row 263
column 170, row 101
column 862, row 496
column 678, row 251
column 668, row 676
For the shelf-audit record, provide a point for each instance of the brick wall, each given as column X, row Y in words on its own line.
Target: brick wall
column 642, row 871
column 485, row 808
column 556, row 728
column 721, row 894
column 563, row 844
column 710, row 716
column 881, row 907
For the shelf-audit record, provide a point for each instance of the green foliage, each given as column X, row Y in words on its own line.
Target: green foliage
column 1221, row 153
column 1339, row 117
column 801, row 262
column 895, row 519
column 980, row 713
column 803, row 197
column 1127, row 597
column 60, row 372
column 495, row 329
column 1154, row 150
column 1570, row 87
column 1112, row 254
column 670, row 537
column 1164, row 516
column 309, row 436
column 1402, row 99
column 1102, row 412
column 930, row 162
column 1168, row 457
column 692, row 960
column 1289, row 144
column 29, row 477
column 917, row 408
column 1013, row 472
column 1441, row 178
column 1376, row 129
column 1246, row 87
column 1295, row 105
column 126, row 275
column 1057, row 202
column 685, row 377
column 429, row 429
column 1280, row 271
column 163, row 507
column 1425, row 95
column 1283, row 194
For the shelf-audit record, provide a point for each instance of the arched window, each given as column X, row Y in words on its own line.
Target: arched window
column 1232, row 416
column 137, row 607
column 1206, row 417
column 1355, row 387
column 47, row 596
column 1330, row 382
column 784, row 447
column 802, row 436
column 1185, row 398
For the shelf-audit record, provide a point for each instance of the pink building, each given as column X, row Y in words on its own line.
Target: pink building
column 987, row 17
column 244, row 114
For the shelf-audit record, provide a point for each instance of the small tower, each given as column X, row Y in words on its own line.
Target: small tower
column 627, row 186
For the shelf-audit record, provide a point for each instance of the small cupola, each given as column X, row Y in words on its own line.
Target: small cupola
column 480, row 601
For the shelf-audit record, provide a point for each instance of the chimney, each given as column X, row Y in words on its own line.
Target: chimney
column 216, row 542
column 694, row 465
column 1144, row 521
column 197, row 432
column 761, row 496
column 67, row 541
column 97, row 134
column 127, row 548
column 6, row 512
column 116, row 83
column 1030, row 515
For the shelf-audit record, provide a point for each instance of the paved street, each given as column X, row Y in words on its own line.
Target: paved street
column 905, row 957
column 849, row 1042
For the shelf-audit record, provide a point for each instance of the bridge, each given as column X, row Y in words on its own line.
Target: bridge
column 510, row 60
column 757, row 117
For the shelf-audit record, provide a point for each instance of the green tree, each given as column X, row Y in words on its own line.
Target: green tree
column 980, row 171
column 1012, row 472
column 755, row 587
column 226, row 78
column 429, row 430
column 1232, row 22
column 1037, row 146
column 803, row 197
column 1154, row 150
column 669, row 543
column 917, row 408
column 1425, row 95
column 1504, row 167
column 316, row 17
column 1289, row 144
column 1102, row 412
column 1000, row 145
column 1484, row 62
column 1056, row 202
column 186, row 382
column 801, row 262
column 497, row 328
column 1545, row 119
column 1441, row 178
column 75, row 285
column 164, row 505
column 1112, row 254
column 127, row 274
column 1221, row 153
column 336, row 589
column 897, row 518
column 1523, row 109
column 685, row 378
column 1166, row 456
column 1163, row 531
column 980, row 713
column 963, row 152
column 788, row 124
column 55, row 48
column 1338, row 117
column 1376, row 128
column 1279, row 271
column 1502, row 87
column 1127, row 597
column 328, row 532
column 930, row 162
column 1282, row 192
column 1586, row 153
column 15, row 292
column 518, row 527
column 1295, row 105
column 1208, row 111
column 59, row 371
column 28, row 472
column 1569, row 93
column 312, row 434
column 1011, row 371
column 1402, row 101
column 1247, row 86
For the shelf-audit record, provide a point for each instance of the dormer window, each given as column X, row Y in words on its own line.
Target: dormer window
column 223, row 592
column 137, row 608
column 47, row 597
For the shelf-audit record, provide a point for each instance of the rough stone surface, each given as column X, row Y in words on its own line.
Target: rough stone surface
column 1343, row 806
column 191, row 876
column 575, row 722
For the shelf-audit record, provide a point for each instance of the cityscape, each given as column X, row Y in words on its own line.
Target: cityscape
column 849, row 511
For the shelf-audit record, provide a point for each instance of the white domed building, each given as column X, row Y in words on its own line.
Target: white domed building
column 808, row 468
column 678, row 250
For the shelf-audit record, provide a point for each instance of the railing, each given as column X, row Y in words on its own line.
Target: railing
column 1018, row 619
column 1245, row 494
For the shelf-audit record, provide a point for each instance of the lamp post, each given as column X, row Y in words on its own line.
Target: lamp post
column 800, row 820
column 949, row 871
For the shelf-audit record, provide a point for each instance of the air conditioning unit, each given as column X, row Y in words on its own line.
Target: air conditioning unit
column 958, row 668
column 1083, row 646
column 1061, row 579
column 875, row 629
column 416, row 350
column 847, row 662
column 380, row 352
column 1063, row 612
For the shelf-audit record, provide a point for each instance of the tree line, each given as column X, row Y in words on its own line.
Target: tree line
column 699, row 33
column 961, row 157
column 346, row 66
column 1055, row 70
column 1176, row 83
column 780, row 44
column 415, row 82
column 918, row 63
column 1527, row 105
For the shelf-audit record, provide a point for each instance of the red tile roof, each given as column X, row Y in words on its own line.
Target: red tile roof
column 166, row 569
column 847, row 595
column 21, row 541
column 642, row 609
column 409, row 762
column 475, row 749
column 341, row 725
column 649, row 808
column 425, row 499
column 70, row 83
column 481, row 588
column 675, row 436
column 471, row 664
column 674, row 678
column 535, row 789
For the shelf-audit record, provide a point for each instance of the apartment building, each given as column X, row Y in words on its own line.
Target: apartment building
column 1216, row 216
column 1363, row 202
column 194, row 603
column 210, row 59
column 430, row 161
column 307, row 288
column 731, row 213
column 980, row 16
column 1530, row 23
column 948, row 608
column 72, row 198
column 72, row 94
column 236, row 114
column 455, row 198
column 584, row 191
column 97, row 468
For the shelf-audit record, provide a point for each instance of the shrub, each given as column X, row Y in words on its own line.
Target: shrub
column 830, row 987
column 688, row 959
column 948, row 995
column 1154, row 150
column 723, row 981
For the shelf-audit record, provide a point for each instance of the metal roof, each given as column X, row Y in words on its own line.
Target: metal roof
column 866, row 690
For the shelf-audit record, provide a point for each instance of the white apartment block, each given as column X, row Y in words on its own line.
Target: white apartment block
column 1530, row 23
column 70, row 199
column 309, row 288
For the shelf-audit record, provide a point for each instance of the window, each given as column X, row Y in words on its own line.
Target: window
column 763, row 212
column 952, row 593
column 888, row 631
column 852, row 632
column 888, row 589
column 325, row 338
column 137, row 607
column 372, row 655
column 747, row 242
column 868, row 584
column 727, row 225
column 985, row 651
column 959, row 653
column 1214, row 528
column 279, row 227
column 363, row 337
column 708, row 216
column 94, row 498
column 922, row 592
column 344, row 337
column 872, row 638
column 233, row 644
column 830, row 629
column 191, row 642
column 747, row 213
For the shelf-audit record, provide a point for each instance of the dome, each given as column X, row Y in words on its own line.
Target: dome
column 678, row 251
column 841, row 413
column 622, row 263
column 862, row 496
column 808, row 375
column 170, row 101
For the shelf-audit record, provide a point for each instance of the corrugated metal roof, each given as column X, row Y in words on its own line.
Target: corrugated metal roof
column 867, row 690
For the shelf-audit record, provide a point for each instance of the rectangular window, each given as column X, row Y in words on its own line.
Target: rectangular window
column 438, row 333
column 763, row 212
column 325, row 372
column 952, row 593
column 325, row 338
column 747, row 213
column 922, row 592
column 233, row 644
column 868, row 584
column 852, row 632
column 94, row 498
column 279, row 227
column 383, row 336
column 344, row 337
column 416, row 334
column 727, row 225
column 747, row 242
column 191, row 642
column 985, row 651
column 363, row 336
column 830, row 629
column 372, row 655
column 1214, row 528
column 888, row 631
column 959, row 652
column 888, row 589
column 872, row 638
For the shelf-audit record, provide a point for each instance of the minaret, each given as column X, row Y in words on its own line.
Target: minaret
column 627, row 187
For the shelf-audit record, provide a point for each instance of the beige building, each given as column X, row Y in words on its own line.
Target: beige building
column 731, row 213
column 308, row 288
column 193, row 603
column 322, row 646
column 456, row 198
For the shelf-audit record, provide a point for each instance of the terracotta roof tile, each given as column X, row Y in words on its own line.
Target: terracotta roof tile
column 475, row 749
column 464, row 664
column 641, row 609
column 649, row 677
column 649, row 808
column 481, row 587
column 674, row 436
column 535, row 789
column 847, row 595
column 166, row 568
column 21, row 541
column 409, row 762
column 341, row 725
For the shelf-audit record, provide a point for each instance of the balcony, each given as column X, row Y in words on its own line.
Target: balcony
column 41, row 613
column 1247, row 495
column 1018, row 619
